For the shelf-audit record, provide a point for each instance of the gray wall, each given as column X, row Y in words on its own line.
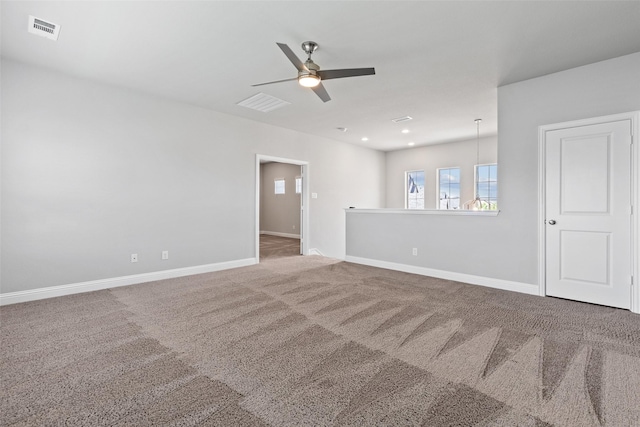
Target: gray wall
column 93, row 173
column 429, row 158
column 279, row 213
column 445, row 242
column 503, row 247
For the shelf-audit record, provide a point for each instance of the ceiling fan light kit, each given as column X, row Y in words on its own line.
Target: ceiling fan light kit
column 309, row 73
column 309, row 80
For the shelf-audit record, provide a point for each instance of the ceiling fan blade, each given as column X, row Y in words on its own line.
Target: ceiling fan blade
column 292, row 57
column 348, row 72
column 321, row 92
column 275, row 81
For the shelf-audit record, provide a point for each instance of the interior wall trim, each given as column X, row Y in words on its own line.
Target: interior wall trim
column 506, row 285
column 114, row 282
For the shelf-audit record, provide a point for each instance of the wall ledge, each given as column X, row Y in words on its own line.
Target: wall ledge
column 114, row 282
column 451, row 212
column 506, row 285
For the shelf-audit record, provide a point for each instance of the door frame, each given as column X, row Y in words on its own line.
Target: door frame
column 304, row 201
column 634, row 117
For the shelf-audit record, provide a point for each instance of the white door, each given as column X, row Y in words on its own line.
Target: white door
column 588, row 213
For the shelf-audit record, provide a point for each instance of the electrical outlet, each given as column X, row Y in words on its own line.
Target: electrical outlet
column 415, row 251
column 165, row 254
column 134, row 257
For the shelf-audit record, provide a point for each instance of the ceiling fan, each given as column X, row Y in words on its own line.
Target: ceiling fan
column 309, row 73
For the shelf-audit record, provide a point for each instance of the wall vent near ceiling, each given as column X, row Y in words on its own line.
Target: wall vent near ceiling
column 43, row 28
column 263, row 102
column 402, row 119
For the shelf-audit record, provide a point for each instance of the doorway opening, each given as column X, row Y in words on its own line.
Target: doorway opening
column 282, row 217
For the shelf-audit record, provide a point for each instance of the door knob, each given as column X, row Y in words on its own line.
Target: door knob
column 552, row 222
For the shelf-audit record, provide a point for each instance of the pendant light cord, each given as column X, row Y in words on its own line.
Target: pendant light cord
column 477, row 201
column 477, row 141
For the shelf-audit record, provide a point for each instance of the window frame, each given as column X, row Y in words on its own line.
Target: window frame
column 476, row 176
column 406, row 188
column 298, row 182
column 284, row 186
column 460, row 203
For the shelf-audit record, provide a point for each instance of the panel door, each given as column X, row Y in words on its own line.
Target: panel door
column 588, row 213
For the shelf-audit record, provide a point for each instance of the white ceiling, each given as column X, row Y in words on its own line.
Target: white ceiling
column 439, row 62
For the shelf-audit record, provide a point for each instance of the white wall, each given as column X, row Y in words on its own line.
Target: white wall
column 93, row 173
column 503, row 247
column 279, row 213
column 429, row 158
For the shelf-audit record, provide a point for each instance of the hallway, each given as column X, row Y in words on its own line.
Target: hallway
column 278, row 247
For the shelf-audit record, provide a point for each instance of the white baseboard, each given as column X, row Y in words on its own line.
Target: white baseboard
column 315, row 251
column 275, row 233
column 114, row 282
column 506, row 285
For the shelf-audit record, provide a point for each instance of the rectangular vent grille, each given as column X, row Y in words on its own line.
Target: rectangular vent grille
column 263, row 102
column 402, row 119
column 43, row 28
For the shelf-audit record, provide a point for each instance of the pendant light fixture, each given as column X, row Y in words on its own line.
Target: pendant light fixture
column 476, row 204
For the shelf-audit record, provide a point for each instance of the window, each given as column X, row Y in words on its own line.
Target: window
column 414, row 190
column 298, row 185
column 487, row 186
column 279, row 185
column 449, row 188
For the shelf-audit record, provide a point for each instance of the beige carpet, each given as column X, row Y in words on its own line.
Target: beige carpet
column 278, row 247
column 311, row 341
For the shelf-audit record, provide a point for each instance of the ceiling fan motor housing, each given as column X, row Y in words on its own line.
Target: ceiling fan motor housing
column 311, row 66
column 308, row 76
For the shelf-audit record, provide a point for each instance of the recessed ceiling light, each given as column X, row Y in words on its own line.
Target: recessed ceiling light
column 365, row 139
column 405, row 130
column 411, row 144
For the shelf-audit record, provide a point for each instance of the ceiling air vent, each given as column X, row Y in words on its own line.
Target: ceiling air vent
column 402, row 119
column 263, row 102
column 43, row 28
